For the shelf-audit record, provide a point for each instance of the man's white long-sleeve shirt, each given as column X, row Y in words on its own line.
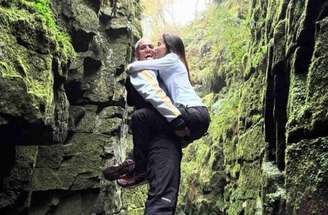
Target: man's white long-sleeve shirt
column 147, row 85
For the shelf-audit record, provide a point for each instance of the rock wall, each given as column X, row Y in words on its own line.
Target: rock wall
column 266, row 151
column 278, row 165
column 62, row 108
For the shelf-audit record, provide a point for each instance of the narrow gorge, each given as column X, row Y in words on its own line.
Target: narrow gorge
column 261, row 67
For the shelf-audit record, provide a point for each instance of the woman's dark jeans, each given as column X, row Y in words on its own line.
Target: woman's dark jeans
column 197, row 120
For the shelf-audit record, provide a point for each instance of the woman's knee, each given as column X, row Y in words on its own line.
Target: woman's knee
column 198, row 122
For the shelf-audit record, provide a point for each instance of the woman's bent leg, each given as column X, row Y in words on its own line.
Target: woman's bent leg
column 197, row 120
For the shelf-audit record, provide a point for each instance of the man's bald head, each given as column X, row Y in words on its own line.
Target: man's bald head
column 144, row 49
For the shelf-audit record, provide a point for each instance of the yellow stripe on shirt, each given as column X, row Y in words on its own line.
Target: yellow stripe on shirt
column 146, row 75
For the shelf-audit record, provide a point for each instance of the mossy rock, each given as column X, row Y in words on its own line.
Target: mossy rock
column 251, row 145
column 306, row 177
column 134, row 200
column 308, row 93
column 32, row 69
column 76, row 166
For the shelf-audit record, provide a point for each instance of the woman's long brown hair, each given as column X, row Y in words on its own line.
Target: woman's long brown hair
column 175, row 44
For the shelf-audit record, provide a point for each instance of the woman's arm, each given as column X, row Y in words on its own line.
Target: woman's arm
column 164, row 63
column 147, row 85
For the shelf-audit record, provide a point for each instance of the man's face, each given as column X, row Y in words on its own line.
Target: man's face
column 145, row 50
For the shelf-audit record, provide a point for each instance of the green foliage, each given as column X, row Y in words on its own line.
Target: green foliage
column 225, row 114
column 43, row 8
column 195, row 173
column 134, row 199
column 218, row 41
column 216, row 46
column 202, row 165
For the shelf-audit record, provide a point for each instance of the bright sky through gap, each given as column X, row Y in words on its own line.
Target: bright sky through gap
column 176, row 12
column 184, row 11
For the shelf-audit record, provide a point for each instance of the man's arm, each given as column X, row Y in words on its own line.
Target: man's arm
column 133, row 97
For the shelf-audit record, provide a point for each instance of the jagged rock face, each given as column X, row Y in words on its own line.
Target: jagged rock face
column 33, row 107
column 33, row 104
column 281, row 160
column 76, row 102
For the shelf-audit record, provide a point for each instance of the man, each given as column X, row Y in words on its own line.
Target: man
column 157, row 151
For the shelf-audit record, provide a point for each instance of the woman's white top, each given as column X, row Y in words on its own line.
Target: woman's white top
column 174, row 75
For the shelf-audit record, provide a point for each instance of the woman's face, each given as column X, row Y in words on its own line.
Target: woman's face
column 160, row 50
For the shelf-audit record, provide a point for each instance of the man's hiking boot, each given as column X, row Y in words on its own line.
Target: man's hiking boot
column 115, row 172
column 132, row 180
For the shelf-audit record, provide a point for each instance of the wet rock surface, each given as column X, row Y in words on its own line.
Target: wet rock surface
column 276, row 160
column 62, row 112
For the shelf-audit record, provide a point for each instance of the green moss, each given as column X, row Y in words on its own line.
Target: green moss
column 27, row 152
column 38, row 80
column 251, row 145
column 258, row 55
column 39, row 88
column 7, row 71
column 134, row 200
column 306, row 175
column 23, row 62
column 217, row 42
column 202, row 166
column 42, row 9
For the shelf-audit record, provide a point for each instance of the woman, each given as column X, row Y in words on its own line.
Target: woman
column 173, row 69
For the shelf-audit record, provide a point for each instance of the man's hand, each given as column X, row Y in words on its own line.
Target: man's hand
column 185, row 132
column 127, row 70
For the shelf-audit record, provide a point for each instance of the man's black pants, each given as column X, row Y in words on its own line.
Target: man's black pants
column 158, row 152
column 163, row 174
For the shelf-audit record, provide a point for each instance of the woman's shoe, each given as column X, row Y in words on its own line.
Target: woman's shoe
column 115, row 172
